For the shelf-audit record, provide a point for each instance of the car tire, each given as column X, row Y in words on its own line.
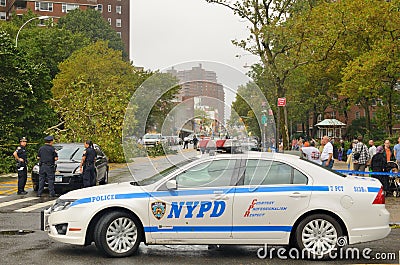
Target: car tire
column 105, row 178
column 317, row 235
column 118, row 234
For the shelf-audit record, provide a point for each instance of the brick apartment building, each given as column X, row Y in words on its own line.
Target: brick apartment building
column 201, row 90
column 116, row 12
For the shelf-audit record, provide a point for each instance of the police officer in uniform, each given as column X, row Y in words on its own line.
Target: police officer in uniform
column 22, row 161
column 87, row 165
column 47, row 156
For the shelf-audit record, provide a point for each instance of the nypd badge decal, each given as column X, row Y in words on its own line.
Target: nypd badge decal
column 158, row 209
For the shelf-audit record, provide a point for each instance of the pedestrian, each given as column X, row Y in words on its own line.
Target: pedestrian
column 396, row 151
column 47, row 156
column 371, row 151
column 379, row 164
column 87, row 166
column 312, row 153
column 195, row 141
column 327, row 152
column 349, row 160
column 186, row 142
column 360, row 155
column 389, row 154
column 21, row 156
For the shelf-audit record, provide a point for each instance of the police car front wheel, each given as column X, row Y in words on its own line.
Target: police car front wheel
column 118, row 234
column 318, row 235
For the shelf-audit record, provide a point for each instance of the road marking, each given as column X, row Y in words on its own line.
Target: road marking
column 34, row 207
column 2, row 196
column 4, row 204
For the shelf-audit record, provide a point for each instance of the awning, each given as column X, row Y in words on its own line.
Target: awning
column 330, row 122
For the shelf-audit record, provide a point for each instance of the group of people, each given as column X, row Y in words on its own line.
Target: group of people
column 359, row 156
column 47, row 156
column 322, row 155
column 376, row 158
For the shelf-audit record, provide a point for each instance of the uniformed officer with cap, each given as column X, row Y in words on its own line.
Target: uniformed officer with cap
column 22, row 161
column 87, row 163
column 47, row 156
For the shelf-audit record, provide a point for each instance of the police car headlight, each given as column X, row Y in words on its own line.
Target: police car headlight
column 61, row 205
column 35, row 169
column 77, row 171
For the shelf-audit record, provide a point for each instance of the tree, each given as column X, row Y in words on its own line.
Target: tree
column 91, row 94
column 280, row 36
column 24, row 86
column 91, row 24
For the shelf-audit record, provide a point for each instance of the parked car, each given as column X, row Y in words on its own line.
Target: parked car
column 241, row 199
column 68, row 176
column 153, row 139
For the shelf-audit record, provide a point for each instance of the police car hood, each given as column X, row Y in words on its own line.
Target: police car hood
column 120, row 188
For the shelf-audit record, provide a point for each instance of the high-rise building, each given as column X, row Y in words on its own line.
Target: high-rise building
column 116, row 12
column 201, row 90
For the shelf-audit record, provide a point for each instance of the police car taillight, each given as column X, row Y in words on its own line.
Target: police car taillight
column 380, row 197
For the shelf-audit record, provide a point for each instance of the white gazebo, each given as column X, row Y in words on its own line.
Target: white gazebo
column 330, row 127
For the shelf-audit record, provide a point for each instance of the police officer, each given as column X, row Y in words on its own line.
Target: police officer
column 87, row 165
column 22, row 161
column 47, row 156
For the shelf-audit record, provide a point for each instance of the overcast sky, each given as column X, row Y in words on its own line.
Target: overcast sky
column 169, row 32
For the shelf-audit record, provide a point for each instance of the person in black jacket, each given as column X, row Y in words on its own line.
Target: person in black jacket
column 378, row 164
column 87, row 166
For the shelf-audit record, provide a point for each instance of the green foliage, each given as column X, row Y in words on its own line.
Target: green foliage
column 91, row 93
column 91, row 24
column 24, row 90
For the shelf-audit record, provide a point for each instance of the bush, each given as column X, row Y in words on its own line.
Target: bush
column 160, row 150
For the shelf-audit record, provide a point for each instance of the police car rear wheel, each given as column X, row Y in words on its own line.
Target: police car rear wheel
column 118, row 234
column 318, row 235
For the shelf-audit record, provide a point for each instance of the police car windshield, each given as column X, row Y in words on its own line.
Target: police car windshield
column 162, row 174
column 70, row 153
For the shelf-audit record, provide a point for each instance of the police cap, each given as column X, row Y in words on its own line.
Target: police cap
column 49, row 138
column 23, row 139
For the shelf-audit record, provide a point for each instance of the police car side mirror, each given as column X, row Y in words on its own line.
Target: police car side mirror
column 172, row 184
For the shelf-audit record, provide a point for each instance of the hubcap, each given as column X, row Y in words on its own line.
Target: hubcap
column 319, row 236
column 121, row 235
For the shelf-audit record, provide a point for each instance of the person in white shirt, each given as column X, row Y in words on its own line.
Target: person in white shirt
column 371, row 151
column 312, row 153
column 327, row 152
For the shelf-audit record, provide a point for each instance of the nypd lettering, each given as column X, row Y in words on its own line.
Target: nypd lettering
column 102, row 198
column 197, row 209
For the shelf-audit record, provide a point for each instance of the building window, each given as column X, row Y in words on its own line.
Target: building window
column 118, row 22
column 100, row 8
column 44, row 6
column 109, row 21
column 333, row 115
column 109, row 8
column 2, row 3
column 319, row 118
column 118, row 9
column 119, row 34
column 68, row 7
column 3, row 16
column 358, row 115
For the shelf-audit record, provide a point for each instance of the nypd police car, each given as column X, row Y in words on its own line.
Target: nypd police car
column 258, row 198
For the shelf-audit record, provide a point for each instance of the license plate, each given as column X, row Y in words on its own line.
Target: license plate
column 58, row 179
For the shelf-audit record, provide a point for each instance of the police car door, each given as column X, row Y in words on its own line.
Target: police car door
column 201, row 205
column 268, row 198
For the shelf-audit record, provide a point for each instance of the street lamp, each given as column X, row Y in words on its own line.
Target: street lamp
column 26, row 22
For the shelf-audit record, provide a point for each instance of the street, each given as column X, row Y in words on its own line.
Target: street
column 22, row 241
